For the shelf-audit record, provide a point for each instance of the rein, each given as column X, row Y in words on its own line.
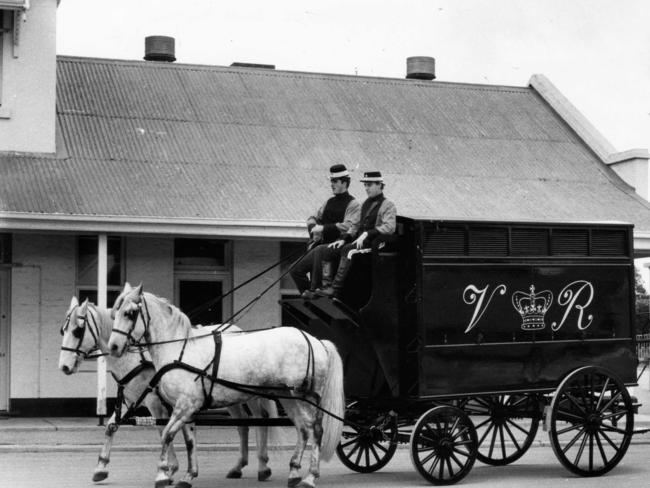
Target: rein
column 80, row 337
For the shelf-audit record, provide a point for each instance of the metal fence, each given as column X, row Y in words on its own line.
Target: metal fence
column 643, row 347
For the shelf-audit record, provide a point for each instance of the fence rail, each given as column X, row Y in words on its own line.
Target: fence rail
column 643, row 347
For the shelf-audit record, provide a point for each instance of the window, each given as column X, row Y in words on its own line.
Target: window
column 199, row 253
column 87, row 268
column 201, row 277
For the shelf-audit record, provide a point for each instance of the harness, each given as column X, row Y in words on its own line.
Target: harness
column 80, row 336
column 270, row 392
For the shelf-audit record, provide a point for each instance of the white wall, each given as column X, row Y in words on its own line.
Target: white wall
column 150, row 261
column 249, row 258
column 27, row 110
column 43, row 273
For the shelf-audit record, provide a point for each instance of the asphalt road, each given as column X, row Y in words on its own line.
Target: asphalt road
column 133, row 469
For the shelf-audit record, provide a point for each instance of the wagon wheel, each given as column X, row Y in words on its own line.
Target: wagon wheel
column 367, row 449
column 506, row 426
column 443, row 445
column 591, row 421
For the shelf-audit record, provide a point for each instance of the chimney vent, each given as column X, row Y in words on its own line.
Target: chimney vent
column 420, row 68
column 160, row 48
column 238, row 64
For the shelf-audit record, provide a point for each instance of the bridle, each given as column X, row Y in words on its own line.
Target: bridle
column 133, row 316
column 80, row 332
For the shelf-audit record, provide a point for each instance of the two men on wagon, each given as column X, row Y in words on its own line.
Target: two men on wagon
column 342, row 226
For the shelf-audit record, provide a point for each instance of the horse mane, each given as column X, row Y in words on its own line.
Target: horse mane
column 176, row 314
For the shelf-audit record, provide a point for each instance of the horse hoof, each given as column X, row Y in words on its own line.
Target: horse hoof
column 293, row 482
column 162, row 483
column 264, row 475
column 100, row 476
column 303, row 484
column 183, row 484
column 234, row 474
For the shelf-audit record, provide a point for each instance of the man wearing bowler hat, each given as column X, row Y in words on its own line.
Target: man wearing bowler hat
column 378, row 216
column 333, row 219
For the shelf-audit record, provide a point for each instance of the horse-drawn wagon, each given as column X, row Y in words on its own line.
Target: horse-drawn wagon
column 461, row 337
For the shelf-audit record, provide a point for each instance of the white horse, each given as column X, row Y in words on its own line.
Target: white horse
column 87, row 329
column 282, row 361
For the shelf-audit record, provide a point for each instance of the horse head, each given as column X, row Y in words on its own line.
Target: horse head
column 76, row 344
column 125, row 314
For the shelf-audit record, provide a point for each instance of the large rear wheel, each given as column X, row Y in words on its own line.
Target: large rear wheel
column 506, row 425
column 443, row 445
column 591, row 421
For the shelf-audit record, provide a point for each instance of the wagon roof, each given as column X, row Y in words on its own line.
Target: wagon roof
column 190, row 146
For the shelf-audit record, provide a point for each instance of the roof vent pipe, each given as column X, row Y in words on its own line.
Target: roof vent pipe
column 160, row 48
column 420, row 68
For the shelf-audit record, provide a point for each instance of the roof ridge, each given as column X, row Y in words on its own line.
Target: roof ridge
column 380, row 80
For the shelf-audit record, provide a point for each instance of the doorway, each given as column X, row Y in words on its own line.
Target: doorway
column 197, row 296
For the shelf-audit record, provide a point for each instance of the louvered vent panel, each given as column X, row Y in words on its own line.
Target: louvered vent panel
column 529, row 242
column 488, row 242
column 444, row 241
column 609, row 243
column 570, row 242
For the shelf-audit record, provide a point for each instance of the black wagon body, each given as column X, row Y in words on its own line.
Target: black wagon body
column 500, row 322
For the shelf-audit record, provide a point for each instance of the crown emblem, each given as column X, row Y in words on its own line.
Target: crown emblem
column 532, row 307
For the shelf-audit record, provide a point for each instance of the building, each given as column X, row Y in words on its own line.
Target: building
column 191, row 179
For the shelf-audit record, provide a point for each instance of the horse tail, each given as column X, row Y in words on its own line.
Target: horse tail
column 333, row 401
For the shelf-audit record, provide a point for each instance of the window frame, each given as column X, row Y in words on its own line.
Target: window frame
column 79, row 287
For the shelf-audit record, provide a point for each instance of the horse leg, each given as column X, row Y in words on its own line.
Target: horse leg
column 158, row 411
column 262, row 440
column 301, row 442
column 309, row 481
column 189, row 434
column 172, row 459
column 175, row 423
column 237, row 411
column 101, row 470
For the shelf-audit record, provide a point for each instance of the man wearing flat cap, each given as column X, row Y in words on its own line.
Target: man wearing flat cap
column 378, row 216
column 337, row 216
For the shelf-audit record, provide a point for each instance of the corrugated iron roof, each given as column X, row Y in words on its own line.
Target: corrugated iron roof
column 147, row 139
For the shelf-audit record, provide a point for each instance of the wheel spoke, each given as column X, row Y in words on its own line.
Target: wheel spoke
column 612, row 429
column 611, row 401
column 602, row 393
column 383, row 449
column 461, row 452
column 374, row 452
column 564, row 415
column 609, row 441
column 575, row 402
column 573, row 441
column 519, row 427
column 580, row 450
column 456, row 460
column 487, row 431
column 449, row 468
column 355, row 440
column 512, row 437
column 601, row 449
column 433, row 465
column 492, row 442
column 569, row 429
column 488, row 420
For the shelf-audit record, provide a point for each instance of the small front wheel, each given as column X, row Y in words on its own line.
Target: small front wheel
column 443, row 445
column 369, row 448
